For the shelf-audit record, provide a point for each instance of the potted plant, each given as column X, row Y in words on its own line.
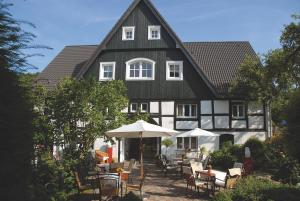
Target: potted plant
column 167, row 143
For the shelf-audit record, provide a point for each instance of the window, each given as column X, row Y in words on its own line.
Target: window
column 153, row 32
column 187, row 143
column 144, row 107
column 133, row 107
column 140, row 69
column 238, row 110
column 186, row 110
column 107, row 71
column 128, row 33
column 174, row 70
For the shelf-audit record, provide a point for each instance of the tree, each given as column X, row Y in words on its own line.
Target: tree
column 15, row 110
column 167, row 143
column 274, row 76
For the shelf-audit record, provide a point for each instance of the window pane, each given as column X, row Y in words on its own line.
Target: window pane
column 144, row 107
column 186, row 143
column 180, row 110
column 128, row 34
column 176, row 74
column 134, row 70
column 179, row 143
column 193, row 142
column 194, row 110
column 187, row 110
column 234, row 111
column 172, row 74
column 133, row 106
column 241, row 111
column 146, row 70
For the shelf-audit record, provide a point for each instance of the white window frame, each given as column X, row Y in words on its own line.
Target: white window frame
column 125, row 29
column 128, row 63
column 238, row 104
column 180, row 63
column 101, row 71
column 153, row 28
column 141, row 108
column 190, row 109
column 190, row 143
column 137, row 107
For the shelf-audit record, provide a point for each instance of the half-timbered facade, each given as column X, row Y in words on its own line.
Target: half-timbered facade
column 182, row 85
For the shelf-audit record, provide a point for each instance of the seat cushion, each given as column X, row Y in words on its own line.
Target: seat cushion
column 220, row 183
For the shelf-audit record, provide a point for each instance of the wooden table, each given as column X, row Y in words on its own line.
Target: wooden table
column 210, row 177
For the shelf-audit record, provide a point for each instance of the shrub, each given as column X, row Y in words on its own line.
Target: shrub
column 258, row 149
column 224, row 158
column 288, row 172
column 254, row 189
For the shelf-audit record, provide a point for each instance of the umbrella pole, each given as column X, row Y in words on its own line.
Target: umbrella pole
column 141, row 150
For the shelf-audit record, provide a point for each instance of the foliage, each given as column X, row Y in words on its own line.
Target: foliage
column 257, row 149
column 251, row 188
column 82, row 110
column 272, row 78
column 288, row 171
column 167, row 143
column 224, row 158
column 293, row 125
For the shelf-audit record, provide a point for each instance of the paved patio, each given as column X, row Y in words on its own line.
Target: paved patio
column 165, row 188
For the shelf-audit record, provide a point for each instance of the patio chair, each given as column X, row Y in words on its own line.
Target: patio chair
column 241, row 166
column 169, row 167
column 129, row 170
column 206, row 161
column 196, row 166
column 108, row 186
column 227, row 180
column 85, row 190
column 193, row 181
column 136, row 187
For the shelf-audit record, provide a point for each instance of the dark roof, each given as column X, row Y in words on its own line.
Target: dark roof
column 66, row 63
column 219, row 61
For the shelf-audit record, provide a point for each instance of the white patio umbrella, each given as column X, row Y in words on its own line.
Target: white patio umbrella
column 141, row 129
column 198, row 132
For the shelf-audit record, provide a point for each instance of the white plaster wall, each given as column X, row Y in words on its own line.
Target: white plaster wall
column 167, row 108
column 255, row 107
column 186, row 124
column 210, row 143
column 167, row 122
column 154, row 107
column 256, row 122
column 221, row 121
column 156, row 120
column 221, row 106
column 206, row 107
column 238, row 124
column 206, row 122
column 242, row 137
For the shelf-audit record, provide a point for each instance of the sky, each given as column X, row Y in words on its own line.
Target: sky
column 84, row 22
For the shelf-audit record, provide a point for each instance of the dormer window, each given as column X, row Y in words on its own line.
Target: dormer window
column 140, row 69
column 128, row 33
column 153, row 32
column 107, row 71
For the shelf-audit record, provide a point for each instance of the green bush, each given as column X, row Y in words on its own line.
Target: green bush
column 254, row 189
column 224, row 158
column 258, row 149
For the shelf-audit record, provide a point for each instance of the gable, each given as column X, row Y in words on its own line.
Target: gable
column 134, row 5
column 140, row 18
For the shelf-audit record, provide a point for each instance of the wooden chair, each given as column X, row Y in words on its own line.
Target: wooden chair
column 136, row 187
column 100, row 156
column 169, row 167
column 85, row 190
column 108, row 186
column 193, row 181
column 129, row 170
column 227, row 180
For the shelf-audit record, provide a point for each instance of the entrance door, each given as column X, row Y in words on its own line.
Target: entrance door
column 226, row 138
column 150, row 148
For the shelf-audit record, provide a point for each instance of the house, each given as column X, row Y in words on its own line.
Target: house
column 183, row 85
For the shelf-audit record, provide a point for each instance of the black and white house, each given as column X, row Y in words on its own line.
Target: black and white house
column 182, row 85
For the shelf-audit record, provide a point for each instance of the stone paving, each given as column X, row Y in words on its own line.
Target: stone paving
column 159, row 187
